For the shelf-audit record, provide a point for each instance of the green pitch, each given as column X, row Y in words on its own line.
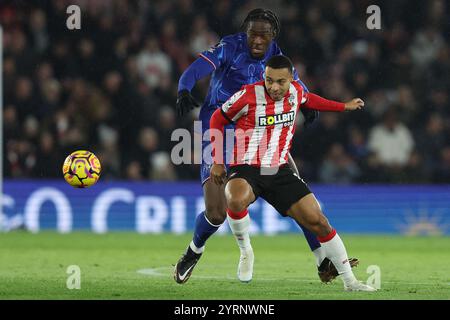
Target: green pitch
column 133, row 266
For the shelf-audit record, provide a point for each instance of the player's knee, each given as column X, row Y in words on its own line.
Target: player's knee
column 216, row 214
column 237, row 195
column 237, row 203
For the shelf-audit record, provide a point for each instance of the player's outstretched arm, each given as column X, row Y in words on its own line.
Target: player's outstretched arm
column 313, row 101
column 197, row 70
column 354, row 104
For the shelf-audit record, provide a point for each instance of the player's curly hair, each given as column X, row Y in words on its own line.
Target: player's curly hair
column 262, row 14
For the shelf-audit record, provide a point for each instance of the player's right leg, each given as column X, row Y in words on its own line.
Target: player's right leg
column 326, row 270
column 307, row 211
column 206, row 224
column 239, row 195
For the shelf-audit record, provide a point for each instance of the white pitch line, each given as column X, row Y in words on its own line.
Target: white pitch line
column 156, row 272
column 167, row 272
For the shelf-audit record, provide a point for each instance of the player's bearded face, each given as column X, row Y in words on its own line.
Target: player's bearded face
column 259, row 36
column 277, row 82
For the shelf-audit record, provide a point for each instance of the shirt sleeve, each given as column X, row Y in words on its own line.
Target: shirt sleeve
column 236, row 106
column 219, row 54
column 315, row 102
column 197, row 70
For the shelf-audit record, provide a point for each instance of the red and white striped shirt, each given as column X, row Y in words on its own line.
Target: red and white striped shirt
column 263, row 127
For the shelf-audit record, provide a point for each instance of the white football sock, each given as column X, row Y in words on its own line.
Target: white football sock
column 319, row 253
column 335, row 251
column 240, row 228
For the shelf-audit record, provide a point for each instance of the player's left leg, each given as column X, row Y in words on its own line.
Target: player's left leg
column 288, row 188
column 326, row 270
column 307, row 211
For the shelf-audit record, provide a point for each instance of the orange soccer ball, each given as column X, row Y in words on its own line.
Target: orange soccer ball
column 81, row 169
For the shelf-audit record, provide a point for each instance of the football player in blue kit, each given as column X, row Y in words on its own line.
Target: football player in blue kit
column 236, row 60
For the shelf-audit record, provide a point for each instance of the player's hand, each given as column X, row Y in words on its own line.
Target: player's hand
column 185, row 102
column 218, row 173
column 354, row 104
column 309, row 115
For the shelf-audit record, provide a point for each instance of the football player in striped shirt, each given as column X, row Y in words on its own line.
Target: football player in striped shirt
column 264, row 117
column 236, row 60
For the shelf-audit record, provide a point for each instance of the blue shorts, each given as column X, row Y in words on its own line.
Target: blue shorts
column 205, row 167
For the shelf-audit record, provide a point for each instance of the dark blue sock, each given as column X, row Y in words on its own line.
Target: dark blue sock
column 203, row 230
column 310, row 238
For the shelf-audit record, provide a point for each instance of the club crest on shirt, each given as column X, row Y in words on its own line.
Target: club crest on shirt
column 291, row 100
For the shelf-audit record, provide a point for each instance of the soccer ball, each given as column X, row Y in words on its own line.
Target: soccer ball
column 81, row 169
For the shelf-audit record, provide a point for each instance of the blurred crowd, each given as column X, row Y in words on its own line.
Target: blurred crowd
column 111, row 86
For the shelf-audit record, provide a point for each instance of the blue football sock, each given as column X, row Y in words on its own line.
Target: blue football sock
column 203, row 230
column 311, row 238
